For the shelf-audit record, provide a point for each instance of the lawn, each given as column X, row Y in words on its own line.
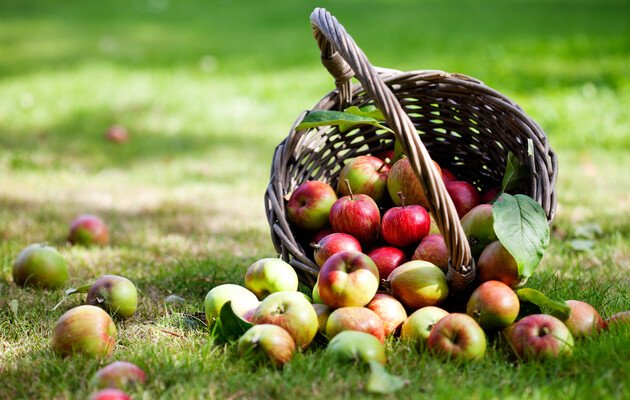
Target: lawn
column 207, row 90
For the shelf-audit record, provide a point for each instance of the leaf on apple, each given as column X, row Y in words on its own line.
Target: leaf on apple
column 521, row 226
column 344, row 120
column 558, row 308
column 231, row 325
column 381, row 381
column 515, row 173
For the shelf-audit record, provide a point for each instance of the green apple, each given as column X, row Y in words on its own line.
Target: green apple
column 357, row 346
column 323, row 312
column 418, row 284
column 478, row 227
column 267, row 341
column 40, row 266
column 242, row 301
column 418, row 325
column 270, row 275
column 115, row 294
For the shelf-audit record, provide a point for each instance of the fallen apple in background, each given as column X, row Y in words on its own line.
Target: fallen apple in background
column 333, row 244
column 354, row 346
column 115, row 294
column 418, row 284
column 41, row 266
column 387, row 259
column 355, row 319
column 464, row 195
column 417, row 327
column 267, row 341
column 584, row 319
column 457, row 337
column 111, row 394
column 494, row 305
column 117, row 134
column 309, row 205
column 619, row 319
column 357, row 215
column 270, row 275
column 540, row 337
column 390, row 310
column 119, row 374
column 405, row 225
column 433, row 249
column 348, row 279
column 242, row 300
column 88, row 230
column 497, row 264
column 366, row 175
column 84, row 329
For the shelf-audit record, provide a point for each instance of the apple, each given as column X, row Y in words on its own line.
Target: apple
column 497, row 264
column 418, row 284
column 249, row 315
column 464, row 195
column 355, row 319
column 88, row 230
column 84, row 329
column 541, row 336
column 332, row 244
column 356, row 346
column 584, row 319
column 357, row 215
column 117, row 134
column 490, row 195
column 40, row 266
column 387, row 258
column 457, row 337
column 242, row 300
column 385, row 155
column 402, row 179
column 348, row 279
column 494, row 305
column 418, row 325
column 434, row 227
column 267, row 341
column 390, row 310
column 315, row 295
column 323, row 312
column 478, row 227
column 309, row 205
column 111, row 394
column 366, row 175
column 115, row 294
column 270, row 275
column 405, row 225
column 619, row 319
column 119, row 374
column 291, row 311
column 448, row 176
column 319, row 235
column 433, row 249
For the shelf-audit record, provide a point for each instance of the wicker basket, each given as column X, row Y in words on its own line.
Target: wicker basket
column 464, row 125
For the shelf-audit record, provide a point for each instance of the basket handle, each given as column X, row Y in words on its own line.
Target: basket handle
column 344, row 59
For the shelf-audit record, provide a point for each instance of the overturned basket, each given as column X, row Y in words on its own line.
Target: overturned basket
column 464, row 125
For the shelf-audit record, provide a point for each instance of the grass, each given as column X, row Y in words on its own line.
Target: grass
column 207, row 89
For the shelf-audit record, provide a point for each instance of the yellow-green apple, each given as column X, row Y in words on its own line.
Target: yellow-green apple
column 119, row 374
column 316, row 297
column 84, row 329
column 387, row 258
column 621, row 318
column 40, row 266
column 478, row 227
column 291, row 311
column 115, row 294
column 464, row 195
column 402, row 179
column 457, row 337
column 348, row 279
column 433, row 249
column 405, row 225
column 357, row 215
column 356, row 346
column 87, row 230
column 418, row 325
column 333, row 244
column 434, row 230
column 494, row 305
column 390, row 310
column 541, row 336
column 242, row 300
column 267, row 341
column 270, row 275
column 110, row 394
column 448, row 176
column 323, row 312
column 309, row 205
column 497, row 264
column 418, row 284
column 584, row 319
column 355, row 319
column 366, row 175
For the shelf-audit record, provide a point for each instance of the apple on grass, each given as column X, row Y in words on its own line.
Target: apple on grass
column 88, row 230
column 465, row 196
column 457, row 337
column 291, row 311
column 619, row 319
column 353, row 346
column 433, row 249
column 270, row 275
column 357, row 215
column 323, row 312
column 417, row 327
column 267, row 341
column 390, row 310
column 540, row 337
column 84, row 329
column 115, row 294
column 497, row 264
column 405, row 225
column 366, row 175
column 333, row 244
column 418, row 284
column 355, row 319
column 119, row 374
column 494, row 305
column 403, row 179
column 40, row 266
column 242, row 301
column 584, row 319
column 478, row 227
column 387, row 259
column 111, row 394
column 117, row 134
column 348, row 279
column 309, row 205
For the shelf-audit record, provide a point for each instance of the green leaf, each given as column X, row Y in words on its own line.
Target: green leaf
column 344, row 120
column 515, row 173
column 558, row 308
column 380, row 381
column 366, row 111
column 232, row 326
column 521, row 226
column 81, row 289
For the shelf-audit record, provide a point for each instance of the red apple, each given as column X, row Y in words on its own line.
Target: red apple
column 402, row 179
column 457, row 337
column 405, row 225
column 366, row 175
column 119, row 374
column 479, row 229
column 497, row 264
column 267, row 341
column 390, row 310
column 494, row 305
column 117, row 134
column 418, row 325
column 309, row 205
column 319, row 235
column 621, row 318
column 448, row 176
column 387, row 259
column 584, row 319
column 323, row 312
column 541, row 336
column 356, row 346
column 357, row 215
column 40, row 266
column 111, row 394
column 348, row 279
column 333, row 244
column 385, row 155
column 464, row 195
column 490, row 195
column 87, row 230
column 291, row 311
column 270, row 275
column 115, row 294
column 355, row 319
column 433, row 249
column 418, row 284
column 84, row 329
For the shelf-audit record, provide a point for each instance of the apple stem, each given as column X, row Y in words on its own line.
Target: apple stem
column 385, row 162
column 402, row 199
column 314, row 245
column 349, row 189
